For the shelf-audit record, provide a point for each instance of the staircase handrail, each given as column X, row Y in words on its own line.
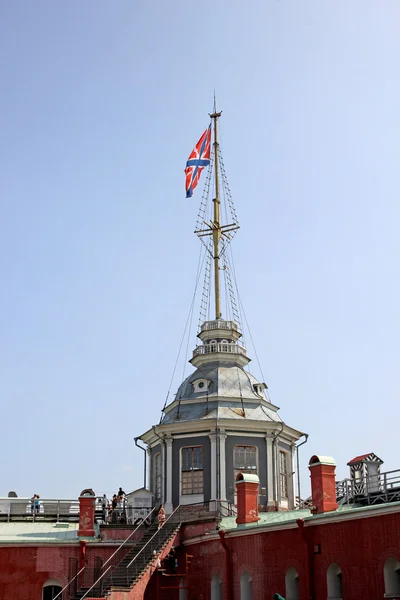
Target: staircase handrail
column 151, row 539
column 109, row 567
column 108, row 559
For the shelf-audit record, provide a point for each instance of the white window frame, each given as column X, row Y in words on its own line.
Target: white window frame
column 197, row 496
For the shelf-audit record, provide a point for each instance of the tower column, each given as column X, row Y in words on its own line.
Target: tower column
column 271, row 505
column 213, row 475
column 222, row 466
column 168, row 501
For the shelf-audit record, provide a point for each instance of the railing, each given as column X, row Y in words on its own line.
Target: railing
column 110, row 563
column 380, row 487
column 214, row 509
column 140, row 561
column 210, row 325
column 45, row 509
column 220, row 347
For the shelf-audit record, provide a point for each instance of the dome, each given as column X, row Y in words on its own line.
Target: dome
column 227, row 380
column 227, row 391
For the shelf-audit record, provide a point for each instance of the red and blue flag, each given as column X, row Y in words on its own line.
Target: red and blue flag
column 198, row 159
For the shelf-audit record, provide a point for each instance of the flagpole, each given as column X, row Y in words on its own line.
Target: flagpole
column 216, row 224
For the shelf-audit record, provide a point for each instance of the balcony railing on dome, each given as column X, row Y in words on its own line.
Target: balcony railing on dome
column 222, row 347
column 210, row 325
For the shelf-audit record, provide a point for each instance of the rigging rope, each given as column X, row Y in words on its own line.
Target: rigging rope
column 199, row 267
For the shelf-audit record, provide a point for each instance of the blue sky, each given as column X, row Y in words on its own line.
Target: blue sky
column 101, row 104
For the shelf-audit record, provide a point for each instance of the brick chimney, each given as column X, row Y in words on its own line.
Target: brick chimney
column 87, row 501
column 323, row 484
column 247, row 498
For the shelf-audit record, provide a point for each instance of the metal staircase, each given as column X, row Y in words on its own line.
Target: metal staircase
column 134, row 564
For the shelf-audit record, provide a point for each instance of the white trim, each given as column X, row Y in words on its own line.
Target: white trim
column 213, row 440
column 184, row 436
column 222, row 465
column 270, row 471
column 168, row 502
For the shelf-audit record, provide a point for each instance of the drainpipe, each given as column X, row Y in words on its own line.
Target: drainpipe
column 309, row 564
column 162, row 443
column 228, row 574
column 275, row 465
column 145, row 459
column 298, row 466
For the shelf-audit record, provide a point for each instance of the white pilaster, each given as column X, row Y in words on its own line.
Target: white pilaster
column 270, row 470
column 213, row 440
column 149, row 471
column 168, row 500
column 222, row 466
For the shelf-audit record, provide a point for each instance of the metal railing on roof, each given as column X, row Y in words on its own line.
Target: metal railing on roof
column 40, row 509
column 372, row 489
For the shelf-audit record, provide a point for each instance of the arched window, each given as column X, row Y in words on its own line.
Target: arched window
column 51, row 588
column 292, row 584
column 216, row 593
column 392, row 576
column 246, row 587
column 334, row 581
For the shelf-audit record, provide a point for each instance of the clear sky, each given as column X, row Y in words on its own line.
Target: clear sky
column 101, row 103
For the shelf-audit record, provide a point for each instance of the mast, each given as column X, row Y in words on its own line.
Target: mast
column 216, row 223
column 214, row 228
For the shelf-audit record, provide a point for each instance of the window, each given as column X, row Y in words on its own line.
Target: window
column 216, row 592
column 334, row 582
column 245, row 459
column 283, row 474
column 392, row 577
column 246, row 587
column 292, row 584
column 157, row 476
column 192, row 470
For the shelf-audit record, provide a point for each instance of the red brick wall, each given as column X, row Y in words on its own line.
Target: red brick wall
column 24, row 569
column 359, row 546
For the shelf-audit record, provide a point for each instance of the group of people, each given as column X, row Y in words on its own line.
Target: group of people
column 35, row 504
column 114, row 511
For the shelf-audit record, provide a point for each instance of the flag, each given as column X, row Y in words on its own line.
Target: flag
column 198, row 159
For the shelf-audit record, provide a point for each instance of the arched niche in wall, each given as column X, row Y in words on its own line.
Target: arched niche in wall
column 216, row 592
column 246, row 586
column 391, row 574
column 51, row 588
column 292, row 585
column 334, row 582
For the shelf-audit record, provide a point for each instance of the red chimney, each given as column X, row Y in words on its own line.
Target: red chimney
column 87, row 502
column 247, row 498
column 323, row 484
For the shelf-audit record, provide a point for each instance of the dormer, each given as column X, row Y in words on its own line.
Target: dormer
column 201, row 385
column 259, row 388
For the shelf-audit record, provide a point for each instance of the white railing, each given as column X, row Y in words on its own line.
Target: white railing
column 220, row 347
column 210, row 325
column 44, row 507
